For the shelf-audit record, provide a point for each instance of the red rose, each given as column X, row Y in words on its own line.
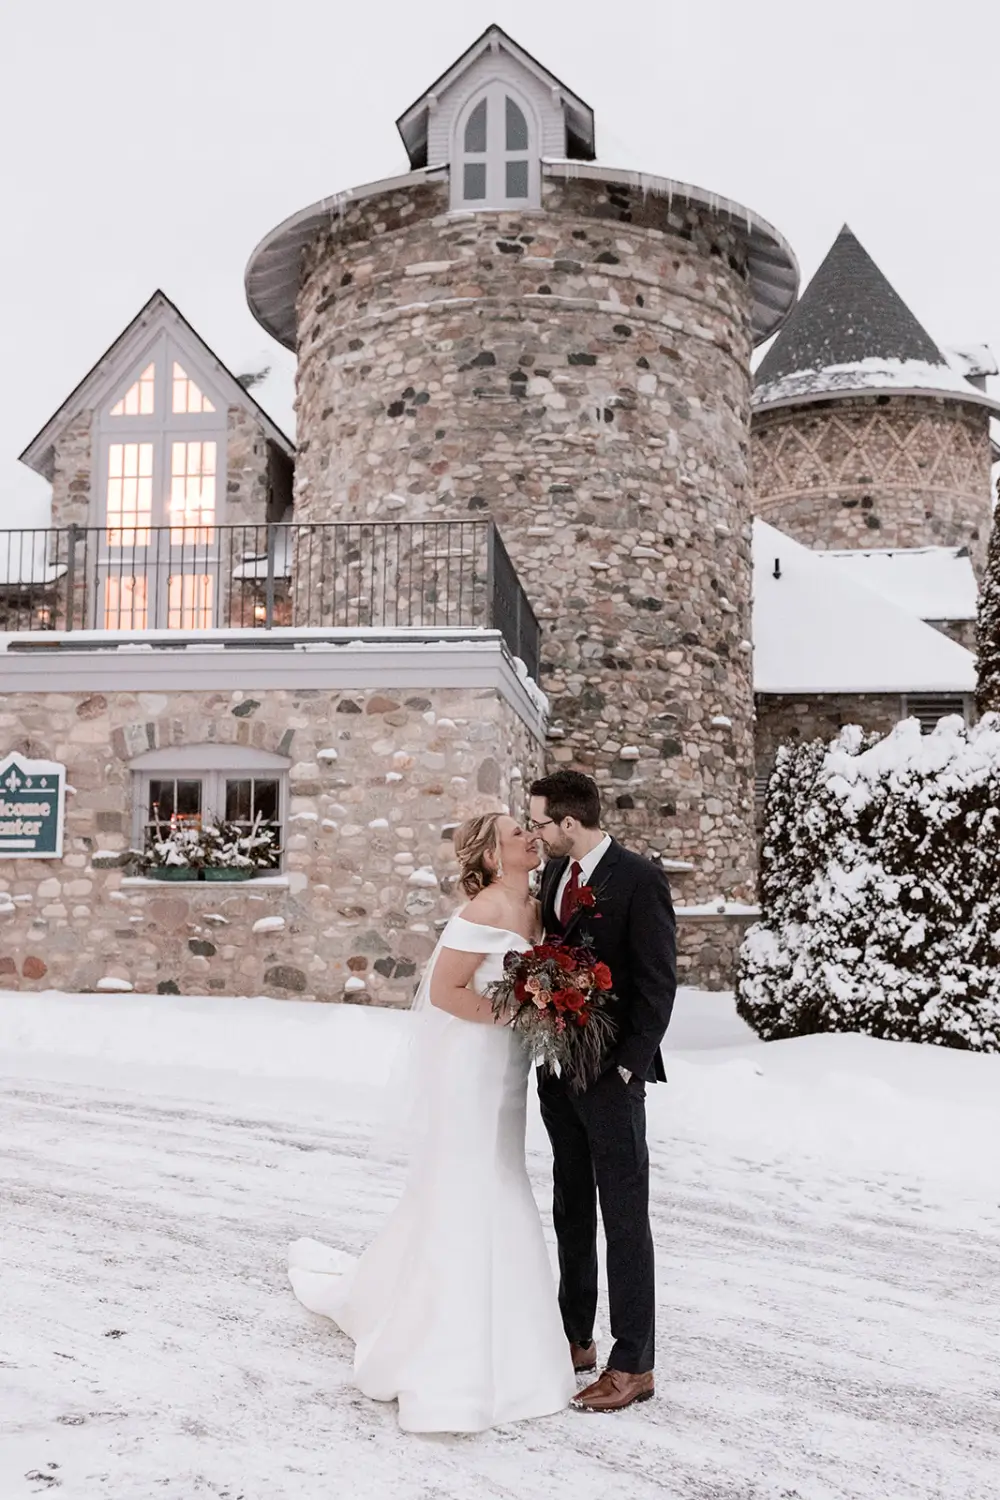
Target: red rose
column 520, row 991
column 568, row 999
column 602, row 976
column 585, row 896
column 566, row 961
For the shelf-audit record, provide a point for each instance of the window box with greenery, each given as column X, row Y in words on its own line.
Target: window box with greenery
column 209, row 812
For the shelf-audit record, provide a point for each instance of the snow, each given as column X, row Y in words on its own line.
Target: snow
column 254, row 564
column 423, row 876
column 933, row 583
column 825, row 1214
column 876, row 373
column 971, row 359
column 818, row 630
column 111, row 984
column 268, row 924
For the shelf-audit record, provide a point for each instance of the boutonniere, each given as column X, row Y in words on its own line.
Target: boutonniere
column 585, row 899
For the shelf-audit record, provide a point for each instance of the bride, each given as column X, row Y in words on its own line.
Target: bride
column 453, row 1307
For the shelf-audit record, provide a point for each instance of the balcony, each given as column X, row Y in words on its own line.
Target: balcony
column 371, row 576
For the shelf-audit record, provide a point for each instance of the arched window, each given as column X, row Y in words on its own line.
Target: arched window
column 495, row 156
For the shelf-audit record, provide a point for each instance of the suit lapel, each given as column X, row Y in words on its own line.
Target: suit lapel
column 603, row 873
column 551, row 876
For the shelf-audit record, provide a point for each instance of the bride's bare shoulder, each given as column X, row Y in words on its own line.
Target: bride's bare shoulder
column 485, row 909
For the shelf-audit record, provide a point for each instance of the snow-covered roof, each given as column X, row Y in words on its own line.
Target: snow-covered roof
column 852, row 333
column 817, row 629
column 971, row 359
column 901, row 376
column 933, row 583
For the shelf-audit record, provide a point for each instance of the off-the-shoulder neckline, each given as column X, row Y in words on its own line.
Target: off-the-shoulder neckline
column 489, row 927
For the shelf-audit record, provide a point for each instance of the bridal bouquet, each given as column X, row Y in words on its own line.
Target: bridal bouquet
column 555, row 997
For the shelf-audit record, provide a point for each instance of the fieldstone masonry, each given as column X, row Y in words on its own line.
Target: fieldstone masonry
column 376, row 782
column 582, row 375
column 876, row 471
column 782, row 718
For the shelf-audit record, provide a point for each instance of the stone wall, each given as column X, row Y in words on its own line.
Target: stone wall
column 376, row 782
column 580, row 374
column 783, row 717
column 246, row 470
column 962, row 631
column 876, row 471
column 72, row 473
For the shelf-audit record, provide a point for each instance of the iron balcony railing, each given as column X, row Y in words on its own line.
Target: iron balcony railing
column 379, row 574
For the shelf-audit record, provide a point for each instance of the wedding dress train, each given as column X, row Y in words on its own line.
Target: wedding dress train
column 453, row 1307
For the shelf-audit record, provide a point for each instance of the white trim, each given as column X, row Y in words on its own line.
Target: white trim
column 159, row 313
column 187, row 763
column 273, row 272
column 323, row 660
column 209, row 758
column 495, row 92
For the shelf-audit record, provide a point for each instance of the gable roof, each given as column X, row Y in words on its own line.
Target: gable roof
column 412, row 123
column 158, row 312
column 818, row 630
column 851, row 332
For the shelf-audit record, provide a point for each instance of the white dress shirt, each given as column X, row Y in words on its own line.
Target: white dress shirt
column 588, row 864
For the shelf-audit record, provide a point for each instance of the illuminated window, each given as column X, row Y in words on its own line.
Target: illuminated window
column 192, row 492
column 190, row 601
column 494, row 166
column 130, row 494
column 188, row 398
column 125, row 603
column 138, row 400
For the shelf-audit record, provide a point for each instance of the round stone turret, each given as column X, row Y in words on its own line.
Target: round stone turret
column 864, row 434
column 579, row 371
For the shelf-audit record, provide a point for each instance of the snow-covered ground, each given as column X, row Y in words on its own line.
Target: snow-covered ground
column 826, row 1212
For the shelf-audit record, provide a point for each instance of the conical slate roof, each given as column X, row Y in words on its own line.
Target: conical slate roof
column 852, row 332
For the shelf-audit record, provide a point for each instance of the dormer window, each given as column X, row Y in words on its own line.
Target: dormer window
column 495, row 155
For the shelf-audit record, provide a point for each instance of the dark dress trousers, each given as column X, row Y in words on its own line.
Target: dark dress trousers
column 599, row 1135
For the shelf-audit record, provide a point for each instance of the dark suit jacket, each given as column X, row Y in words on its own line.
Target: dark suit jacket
column 632, row 930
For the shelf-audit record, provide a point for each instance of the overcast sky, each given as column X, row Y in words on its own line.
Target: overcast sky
column 152, row 145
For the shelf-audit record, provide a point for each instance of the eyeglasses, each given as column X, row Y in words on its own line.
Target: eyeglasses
column 534, row 827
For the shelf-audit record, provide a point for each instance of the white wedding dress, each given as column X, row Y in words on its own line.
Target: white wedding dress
column 453, row 1306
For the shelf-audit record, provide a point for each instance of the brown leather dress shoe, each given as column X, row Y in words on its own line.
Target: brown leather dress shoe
column 584, row 1356
column 615, row 1390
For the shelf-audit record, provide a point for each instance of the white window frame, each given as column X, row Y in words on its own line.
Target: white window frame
column 162, row 560
column 213, row 766
column 496, row 156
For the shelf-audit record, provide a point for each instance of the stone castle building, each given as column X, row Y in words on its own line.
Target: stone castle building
column 522, row 465
column 872, row 448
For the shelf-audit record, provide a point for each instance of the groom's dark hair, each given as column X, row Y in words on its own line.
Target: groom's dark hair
column 570, row 794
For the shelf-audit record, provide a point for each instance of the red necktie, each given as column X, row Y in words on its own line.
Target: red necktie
column 568, row 904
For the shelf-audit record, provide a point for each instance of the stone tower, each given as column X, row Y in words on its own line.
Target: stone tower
column 864, row 434
column 512, row 329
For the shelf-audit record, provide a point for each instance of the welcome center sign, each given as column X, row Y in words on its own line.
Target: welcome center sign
column 32, row 799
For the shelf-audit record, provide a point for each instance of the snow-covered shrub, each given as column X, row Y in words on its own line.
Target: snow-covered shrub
column 880, row 889
column 988, row 630
column 230, row 846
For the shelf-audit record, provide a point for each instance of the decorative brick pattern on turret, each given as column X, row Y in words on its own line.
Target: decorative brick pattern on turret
column 876, row 471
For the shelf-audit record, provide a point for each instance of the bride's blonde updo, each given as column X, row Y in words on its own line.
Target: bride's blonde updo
column 474, row 840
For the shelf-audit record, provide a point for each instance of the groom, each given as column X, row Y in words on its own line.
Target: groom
column 593, row 888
